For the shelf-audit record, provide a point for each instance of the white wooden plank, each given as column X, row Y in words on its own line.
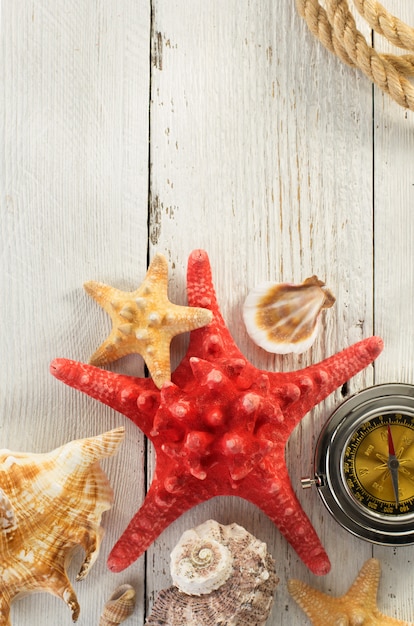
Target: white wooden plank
column 74, row 136
column 261, row 151
column 394, row 283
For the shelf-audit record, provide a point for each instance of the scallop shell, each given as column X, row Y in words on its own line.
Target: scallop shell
column 229, row 574
column 283, row 317
column 119, row 607
column 50, row 504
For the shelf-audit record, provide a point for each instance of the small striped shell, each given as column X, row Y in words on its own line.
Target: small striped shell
column 283, row 318
column 246, row 593
column 50, row 504
column 119, row 607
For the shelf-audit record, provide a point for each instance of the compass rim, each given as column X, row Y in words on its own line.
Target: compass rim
column 369, row 525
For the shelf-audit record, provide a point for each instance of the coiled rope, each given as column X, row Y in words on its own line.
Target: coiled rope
column 334, row 25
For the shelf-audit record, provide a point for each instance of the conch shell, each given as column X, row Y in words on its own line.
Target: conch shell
column 50, row 504
column 283, row 318
column 222, row 575
column 119, row 607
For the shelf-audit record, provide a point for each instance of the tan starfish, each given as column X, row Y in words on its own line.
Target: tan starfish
column 358, row 607
column 145, row 321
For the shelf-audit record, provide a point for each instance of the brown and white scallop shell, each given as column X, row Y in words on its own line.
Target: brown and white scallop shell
column 50, row 504
column 283, row 318
column 119, row 607
column 230, row 573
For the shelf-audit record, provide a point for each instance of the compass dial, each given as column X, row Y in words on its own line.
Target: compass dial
column 367, row 466
column 364, row 464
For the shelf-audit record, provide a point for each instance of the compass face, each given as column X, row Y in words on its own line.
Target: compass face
column 364, row 464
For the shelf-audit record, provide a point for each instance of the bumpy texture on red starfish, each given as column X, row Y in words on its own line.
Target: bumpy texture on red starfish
column 219, row 428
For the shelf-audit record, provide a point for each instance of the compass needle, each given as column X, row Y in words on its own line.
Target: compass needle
column 393, row 465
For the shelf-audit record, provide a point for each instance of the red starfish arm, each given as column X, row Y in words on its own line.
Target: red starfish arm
column 115, row 390
column 282, row 506
column 213, row 341
column 159, row 510
column 200, row 282
column 317, row 381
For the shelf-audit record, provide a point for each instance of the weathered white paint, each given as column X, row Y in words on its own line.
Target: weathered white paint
column 263, row 151
column 394, row 284
column 74, row 167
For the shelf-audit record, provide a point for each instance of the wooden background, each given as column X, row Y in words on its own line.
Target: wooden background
column 129, row 127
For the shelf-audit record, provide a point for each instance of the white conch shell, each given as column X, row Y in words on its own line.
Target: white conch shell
column 283, row 318
column 246, row 571
column 50, row 504
column 119, row 607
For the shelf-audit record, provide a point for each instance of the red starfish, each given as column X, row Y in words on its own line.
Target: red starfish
column 220, row 428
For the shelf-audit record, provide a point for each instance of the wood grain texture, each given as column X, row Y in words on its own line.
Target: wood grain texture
column 259, row 154
column 266, row 151
column 394, row 283
column 74, row 136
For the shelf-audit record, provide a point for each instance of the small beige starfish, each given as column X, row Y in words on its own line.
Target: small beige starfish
column 358, row 607
column 145, row 321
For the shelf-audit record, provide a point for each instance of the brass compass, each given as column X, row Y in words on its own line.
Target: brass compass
column 364, row 464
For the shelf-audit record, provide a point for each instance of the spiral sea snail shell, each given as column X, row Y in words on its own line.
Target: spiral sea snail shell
column 119, row 607
column 200, row 563
column 222, row 575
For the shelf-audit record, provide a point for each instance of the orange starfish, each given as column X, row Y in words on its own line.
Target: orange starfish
column 358, row 606
column 220, row 427
column 144, row 321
